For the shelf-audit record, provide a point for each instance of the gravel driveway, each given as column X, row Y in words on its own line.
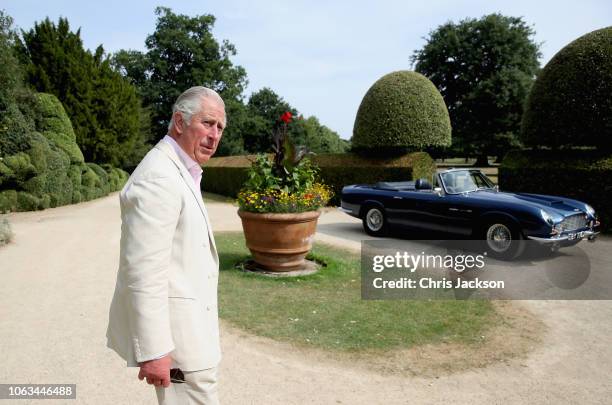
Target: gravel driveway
column 57, row 282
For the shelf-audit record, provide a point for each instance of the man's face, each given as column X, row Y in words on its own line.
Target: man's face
column 201, row 137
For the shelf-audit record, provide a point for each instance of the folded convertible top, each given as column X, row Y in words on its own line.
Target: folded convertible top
column 395, row 185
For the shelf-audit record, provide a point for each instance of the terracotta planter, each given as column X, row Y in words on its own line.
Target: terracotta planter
column 279, row 242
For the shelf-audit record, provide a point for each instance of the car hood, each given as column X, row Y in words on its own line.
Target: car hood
column 555, row 205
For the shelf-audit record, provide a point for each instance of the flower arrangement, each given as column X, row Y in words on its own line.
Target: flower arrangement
column 287, row 183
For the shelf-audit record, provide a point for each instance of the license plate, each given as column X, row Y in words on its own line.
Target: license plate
column 577, row 235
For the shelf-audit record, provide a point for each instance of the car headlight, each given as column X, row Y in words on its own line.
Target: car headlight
column 547, row 217
column 590, row 210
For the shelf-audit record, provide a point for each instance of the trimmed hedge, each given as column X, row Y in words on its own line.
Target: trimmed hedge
column 8, row 200
column 226, row 175
column 68, row 146
column 579, row 174
column 50, row 171
column 17, row 168
column 570, row 103
column 402, row 110
column 15, row 129
column 52, row 117
column 116, row 177
column 53, row 122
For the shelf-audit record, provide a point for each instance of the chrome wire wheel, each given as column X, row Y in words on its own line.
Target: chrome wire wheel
column 499, row 238
column 375, row 219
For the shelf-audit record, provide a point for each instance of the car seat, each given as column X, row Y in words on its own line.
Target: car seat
column 422, row 184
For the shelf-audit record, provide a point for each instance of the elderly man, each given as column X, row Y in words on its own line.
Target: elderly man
column 163, row 316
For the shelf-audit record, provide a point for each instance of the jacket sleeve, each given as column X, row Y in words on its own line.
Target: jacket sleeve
column 150, row 210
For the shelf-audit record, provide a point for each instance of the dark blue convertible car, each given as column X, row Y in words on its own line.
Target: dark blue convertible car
column 466, row 202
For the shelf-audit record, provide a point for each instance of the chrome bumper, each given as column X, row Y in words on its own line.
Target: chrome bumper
column 590, row 235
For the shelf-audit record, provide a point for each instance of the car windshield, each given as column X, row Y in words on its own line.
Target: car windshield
column 464, row 181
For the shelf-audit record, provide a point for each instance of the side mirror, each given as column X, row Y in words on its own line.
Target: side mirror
column 438, row 191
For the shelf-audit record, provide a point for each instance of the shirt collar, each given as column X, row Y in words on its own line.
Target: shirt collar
column 189, row 163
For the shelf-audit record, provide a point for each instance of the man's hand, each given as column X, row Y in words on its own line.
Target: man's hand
column 157, row 372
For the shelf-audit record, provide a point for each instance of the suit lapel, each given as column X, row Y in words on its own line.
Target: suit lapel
column 197, row 194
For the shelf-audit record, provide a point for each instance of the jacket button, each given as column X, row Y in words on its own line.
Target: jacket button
column 208, row 307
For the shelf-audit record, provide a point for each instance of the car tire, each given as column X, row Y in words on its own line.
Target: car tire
column 503, row 240
column 375, row 221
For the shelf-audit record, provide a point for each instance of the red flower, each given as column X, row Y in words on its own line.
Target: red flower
column 286, row 117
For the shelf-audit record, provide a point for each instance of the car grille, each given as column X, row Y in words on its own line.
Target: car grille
column 573, row 222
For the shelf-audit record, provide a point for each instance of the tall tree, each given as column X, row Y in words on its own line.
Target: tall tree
column 321, row 139
column 56, row 62
column 181, row 53
column 15, row 127
column 122, row 122
column 104, row 108
column 484, row 69
column 265, row 108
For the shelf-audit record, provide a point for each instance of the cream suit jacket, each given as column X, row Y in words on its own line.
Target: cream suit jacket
column 165, row 298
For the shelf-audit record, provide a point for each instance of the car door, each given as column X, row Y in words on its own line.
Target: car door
column 424, row 209
column 404, row 203
column 456, row 213
column 428, row 212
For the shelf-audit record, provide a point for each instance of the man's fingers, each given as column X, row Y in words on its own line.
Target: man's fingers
column 156, row 372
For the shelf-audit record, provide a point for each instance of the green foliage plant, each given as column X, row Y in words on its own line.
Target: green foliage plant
column 285, row 183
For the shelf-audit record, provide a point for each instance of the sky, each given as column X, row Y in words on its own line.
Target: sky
column 320, row 56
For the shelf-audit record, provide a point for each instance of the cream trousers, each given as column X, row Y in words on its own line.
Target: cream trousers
column 200, row 387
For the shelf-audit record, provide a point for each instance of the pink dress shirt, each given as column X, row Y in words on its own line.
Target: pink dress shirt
column 192, row 166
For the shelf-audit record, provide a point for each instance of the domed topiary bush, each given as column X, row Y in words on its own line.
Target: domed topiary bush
column 570, row 103
column 402, row 111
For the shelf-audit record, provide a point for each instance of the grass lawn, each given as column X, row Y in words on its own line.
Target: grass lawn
column 325, row 310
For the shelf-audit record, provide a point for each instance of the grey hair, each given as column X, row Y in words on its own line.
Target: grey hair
column 190, row 102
